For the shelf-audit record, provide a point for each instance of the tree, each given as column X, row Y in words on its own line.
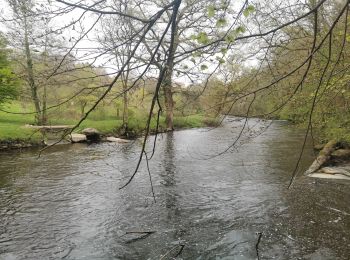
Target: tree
column 196, row 22
column 22, row 11
column 37, row 50
column 115, row 36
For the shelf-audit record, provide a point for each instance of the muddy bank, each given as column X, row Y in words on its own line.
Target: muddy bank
column 19, row 144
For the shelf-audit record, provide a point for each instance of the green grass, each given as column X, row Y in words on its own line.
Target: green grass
column 12, row 125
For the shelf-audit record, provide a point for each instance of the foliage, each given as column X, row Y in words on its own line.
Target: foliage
column 8, row 80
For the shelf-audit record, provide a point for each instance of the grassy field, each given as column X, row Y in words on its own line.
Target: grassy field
column 12, row 124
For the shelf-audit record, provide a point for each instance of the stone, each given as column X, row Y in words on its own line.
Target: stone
column 90, row 131
column 78, row 138
column 116, row 140
column 92, row 134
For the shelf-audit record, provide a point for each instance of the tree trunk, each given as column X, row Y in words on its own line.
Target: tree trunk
column 44, row 112
column 82, row 108
column 323, row 157
column 44, row 117
column 167, row 87
column 125, row 109
column 30, row 74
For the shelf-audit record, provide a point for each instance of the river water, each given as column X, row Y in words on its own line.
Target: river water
column 67, row 204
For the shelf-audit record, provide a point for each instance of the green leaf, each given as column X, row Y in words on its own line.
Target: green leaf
column 204, row 67
column 196, row 54
column 250, row 9
column 193, row 37
column 231, row 36
column 221, row 22
column 220, row 60
column 223, row 50
column 211, row 11
column 202, row 38
column 224, row 4
column 240, row 29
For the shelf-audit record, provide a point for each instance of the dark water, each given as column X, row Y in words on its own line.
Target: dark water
column 67, row 205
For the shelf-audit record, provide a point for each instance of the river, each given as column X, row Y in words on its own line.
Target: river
column 67, row 204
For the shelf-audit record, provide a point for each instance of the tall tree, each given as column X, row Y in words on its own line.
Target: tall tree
column 23, row 16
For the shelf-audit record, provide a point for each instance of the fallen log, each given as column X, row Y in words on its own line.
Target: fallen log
column 323, row 157
column 321, row 175
column 336, row 170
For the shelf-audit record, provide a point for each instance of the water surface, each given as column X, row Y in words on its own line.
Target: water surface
column 67, row 204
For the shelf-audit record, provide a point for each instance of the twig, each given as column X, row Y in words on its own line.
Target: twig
column 257, row 244
column 140, row 232
column 144, row 234
column 150, row 176
column 180, row 251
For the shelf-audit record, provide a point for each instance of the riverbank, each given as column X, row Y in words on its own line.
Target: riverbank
column 14, row 134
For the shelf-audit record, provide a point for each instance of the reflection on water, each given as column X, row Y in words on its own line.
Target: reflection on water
column 67, row 204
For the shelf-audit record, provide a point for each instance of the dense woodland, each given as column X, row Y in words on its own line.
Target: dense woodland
column 132, row 67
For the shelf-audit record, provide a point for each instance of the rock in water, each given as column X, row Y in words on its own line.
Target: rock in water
column 78, row 138
column 92, row 134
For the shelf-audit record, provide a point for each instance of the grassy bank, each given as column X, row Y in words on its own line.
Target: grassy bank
column 12, row 125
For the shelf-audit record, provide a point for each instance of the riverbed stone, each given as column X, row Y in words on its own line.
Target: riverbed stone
column 78, row 138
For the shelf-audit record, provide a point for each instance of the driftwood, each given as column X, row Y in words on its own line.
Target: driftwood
column 323, row 157
column 321, row 175
column 336, row 170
